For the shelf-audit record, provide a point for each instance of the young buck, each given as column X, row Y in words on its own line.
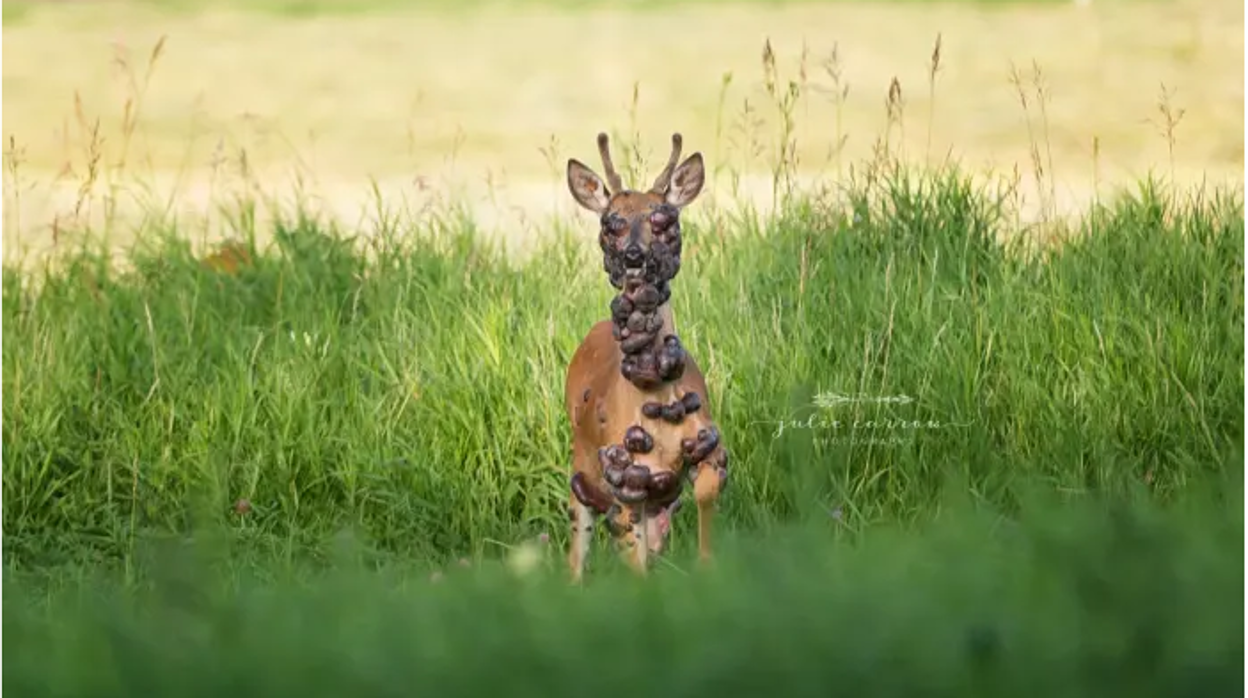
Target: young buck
column 641, row 421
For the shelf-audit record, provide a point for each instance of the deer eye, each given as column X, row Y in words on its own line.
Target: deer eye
column 614, row 222
column 661, row 219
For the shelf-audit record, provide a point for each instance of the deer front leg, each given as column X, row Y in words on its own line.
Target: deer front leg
column 635, row 539
column 586, row 502
column 582, row 520
column 709, row 461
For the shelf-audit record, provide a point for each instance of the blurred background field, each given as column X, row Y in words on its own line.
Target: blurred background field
column 333, row 458
column 484, row 101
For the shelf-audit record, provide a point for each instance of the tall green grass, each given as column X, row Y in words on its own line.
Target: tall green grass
column 962, row 464
column 415, row 400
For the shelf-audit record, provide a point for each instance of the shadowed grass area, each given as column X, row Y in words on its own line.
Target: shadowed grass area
column 1097, row 598
column 417, row 399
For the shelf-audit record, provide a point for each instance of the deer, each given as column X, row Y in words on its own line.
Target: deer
column 637, row 402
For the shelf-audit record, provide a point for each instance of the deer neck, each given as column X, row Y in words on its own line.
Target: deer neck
column 655, row 366
column 664, row 312
column 666, row 390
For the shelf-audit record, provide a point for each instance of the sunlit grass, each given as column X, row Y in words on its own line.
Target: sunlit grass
column 417, row 398
column 239, row 472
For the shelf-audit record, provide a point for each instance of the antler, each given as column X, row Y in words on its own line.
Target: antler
column 613, row 179
column 665, row 177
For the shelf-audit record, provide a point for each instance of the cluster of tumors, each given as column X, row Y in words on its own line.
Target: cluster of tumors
column 645, row 285
column 632, row 483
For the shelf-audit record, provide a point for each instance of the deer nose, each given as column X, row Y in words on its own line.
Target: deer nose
column 633, row 255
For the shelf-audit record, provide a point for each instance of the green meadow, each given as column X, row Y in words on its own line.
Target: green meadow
column 1049, row 505
column 972, row 453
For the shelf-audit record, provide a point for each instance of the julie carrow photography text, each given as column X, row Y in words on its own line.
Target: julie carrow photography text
column 859, row 428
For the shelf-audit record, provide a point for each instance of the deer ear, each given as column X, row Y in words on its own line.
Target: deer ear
column 687, row 182
column 586, row 187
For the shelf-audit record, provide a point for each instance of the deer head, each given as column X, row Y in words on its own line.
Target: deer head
column 640, row 241
column 640, row 235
